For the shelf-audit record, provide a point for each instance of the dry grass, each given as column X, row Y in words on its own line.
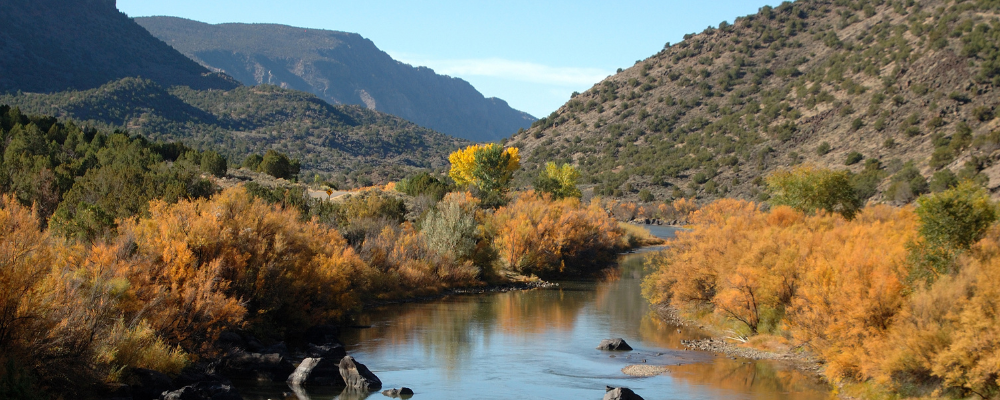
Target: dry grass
column 637, row 236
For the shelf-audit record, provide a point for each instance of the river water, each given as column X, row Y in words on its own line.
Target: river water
column 541, row 344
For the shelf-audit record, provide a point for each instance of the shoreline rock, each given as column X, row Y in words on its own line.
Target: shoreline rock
column 357, row 376
column 616, row 344
column 802, row 361
column 403, row 392
column 620, row 393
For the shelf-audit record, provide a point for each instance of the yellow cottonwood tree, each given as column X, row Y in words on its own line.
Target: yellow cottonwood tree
column 487, row 167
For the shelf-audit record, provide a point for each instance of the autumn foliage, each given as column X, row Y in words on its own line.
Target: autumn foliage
column 158, row 293
column 843, row 288
column 538, row 235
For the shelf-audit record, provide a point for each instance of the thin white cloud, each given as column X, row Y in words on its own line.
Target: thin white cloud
column 509, row 69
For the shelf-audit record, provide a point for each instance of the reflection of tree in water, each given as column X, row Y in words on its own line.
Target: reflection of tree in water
column 768, row 380
column 621, row 299
column 448, row 330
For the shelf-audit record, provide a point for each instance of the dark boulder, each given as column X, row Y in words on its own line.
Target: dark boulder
column 324, row 371
column 617, row 344
column 403, row 392
column 357, row 376
column 334, row 351
column 196, row 373
column 239, row 364
column 621, row 394
column 322, row 334
column 119, row 391
column 146, row 384
column 203, row 391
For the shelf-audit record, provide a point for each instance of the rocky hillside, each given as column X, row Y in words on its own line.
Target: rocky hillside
column 347, row 144
column 901, row 92
column 341, row 68
column 53, row 45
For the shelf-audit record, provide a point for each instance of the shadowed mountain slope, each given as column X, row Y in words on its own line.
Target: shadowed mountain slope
column 55, row 45
column 342, row 68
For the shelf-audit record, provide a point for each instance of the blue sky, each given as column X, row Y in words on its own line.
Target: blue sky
column 533, row 54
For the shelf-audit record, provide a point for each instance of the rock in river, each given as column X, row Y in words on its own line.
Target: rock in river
column 617, row 344
column 621, row 393
column 319, row 371
column 403, row 392
column 357, row 376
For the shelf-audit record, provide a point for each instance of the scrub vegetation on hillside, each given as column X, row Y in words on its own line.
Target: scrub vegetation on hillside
column 905, row 89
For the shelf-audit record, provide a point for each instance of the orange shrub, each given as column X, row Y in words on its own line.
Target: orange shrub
column 685, row 206
column 853, row 288
column 538, row 235
column 949, row 330
column 285, row 272
column 833, row 283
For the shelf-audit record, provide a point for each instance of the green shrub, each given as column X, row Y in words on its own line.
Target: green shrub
column 943, row 180
column 983, row 113
column 559, row 181
column 252, row 162
column 279, row 165
column 645, row 196
column 956, row 217
column 213, row 163
column 857, row 124
column 823, row 149
column 451, row 227
column 907, row 184
column 853, row 158
column 935, row 122
column 808, row 189
column 423, row 184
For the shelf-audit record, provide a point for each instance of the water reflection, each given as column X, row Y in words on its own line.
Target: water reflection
column 541, row 344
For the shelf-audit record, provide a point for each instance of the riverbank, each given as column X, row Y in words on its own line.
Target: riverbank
column 798, row 357
column 498, row 288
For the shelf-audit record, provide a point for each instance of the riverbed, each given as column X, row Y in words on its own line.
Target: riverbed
column 541, row 344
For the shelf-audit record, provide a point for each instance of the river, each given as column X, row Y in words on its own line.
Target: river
column 541, row 344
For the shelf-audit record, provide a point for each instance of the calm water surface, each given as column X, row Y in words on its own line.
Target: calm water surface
column 540, row 344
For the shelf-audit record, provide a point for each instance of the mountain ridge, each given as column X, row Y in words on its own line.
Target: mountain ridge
column 348, row 144
column 342, row 68
column 55, row 56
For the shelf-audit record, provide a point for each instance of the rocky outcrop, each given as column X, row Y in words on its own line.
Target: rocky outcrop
column 240, row 364
column 621, row 393
column 357, row 376
column 318, row 372
column 616, row 344
column 321, row 367
column 146, row 384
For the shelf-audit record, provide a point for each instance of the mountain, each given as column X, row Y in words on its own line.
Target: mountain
column 341, row 68
column 85, row 61
column 357, row 144
column 54, row 45
column 901, row 93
